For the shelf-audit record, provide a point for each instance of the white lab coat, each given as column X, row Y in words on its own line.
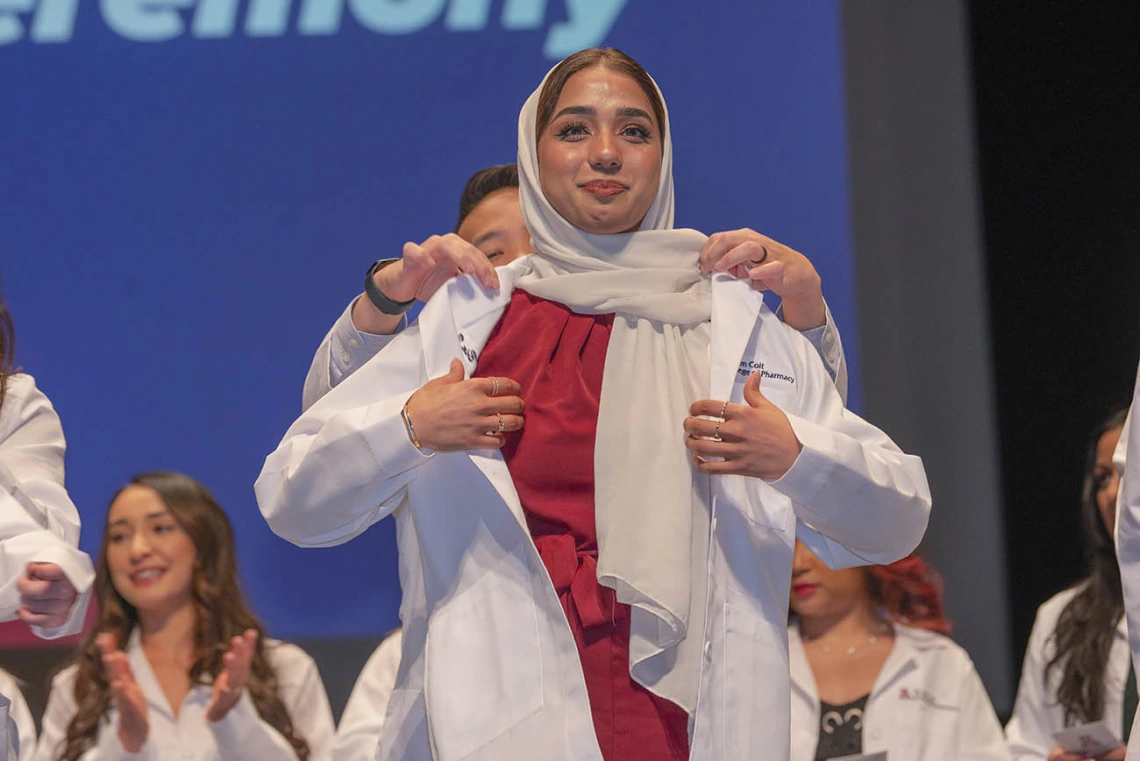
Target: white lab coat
column 20, row 715
column 240, row 736
column 928, row 704
column 496, row 675
column 1128, row 539
column 360, row 725
column 1036, row 712
column 38, row 522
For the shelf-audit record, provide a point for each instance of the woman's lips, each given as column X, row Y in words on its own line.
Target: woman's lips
column 147, row 577
column 804, row 590
column 603, row 188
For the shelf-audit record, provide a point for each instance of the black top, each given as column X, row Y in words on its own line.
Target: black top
column 840, row 729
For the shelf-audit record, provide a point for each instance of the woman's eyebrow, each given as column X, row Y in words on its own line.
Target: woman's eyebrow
column 579, row 110
column 630, row 111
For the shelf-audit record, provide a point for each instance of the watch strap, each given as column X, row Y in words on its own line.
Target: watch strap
column 377, row 297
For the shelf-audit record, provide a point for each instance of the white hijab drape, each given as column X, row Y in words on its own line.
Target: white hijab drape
column 652, row 505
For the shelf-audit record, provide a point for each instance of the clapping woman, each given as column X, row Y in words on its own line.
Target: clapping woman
column 176, row 665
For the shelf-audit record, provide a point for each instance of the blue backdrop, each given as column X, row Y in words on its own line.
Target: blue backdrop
column 192, row 189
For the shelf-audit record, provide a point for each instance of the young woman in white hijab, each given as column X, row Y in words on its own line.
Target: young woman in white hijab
column 647, row 619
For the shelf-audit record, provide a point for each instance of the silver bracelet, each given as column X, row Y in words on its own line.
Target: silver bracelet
column 411, row 429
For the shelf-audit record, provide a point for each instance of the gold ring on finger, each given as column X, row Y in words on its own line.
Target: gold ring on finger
column 494, row 386
column 723, row 409
column 502, row 425
column 716, row 433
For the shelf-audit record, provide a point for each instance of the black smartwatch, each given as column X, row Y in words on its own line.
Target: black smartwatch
column 378, row 299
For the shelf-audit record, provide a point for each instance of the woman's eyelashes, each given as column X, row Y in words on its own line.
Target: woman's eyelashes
column 576, row 131
column 572, row 131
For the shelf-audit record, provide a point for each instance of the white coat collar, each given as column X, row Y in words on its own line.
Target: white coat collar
column 906, row 656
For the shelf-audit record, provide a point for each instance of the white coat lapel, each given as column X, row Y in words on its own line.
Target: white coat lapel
column 735, row 307
column 460, row 328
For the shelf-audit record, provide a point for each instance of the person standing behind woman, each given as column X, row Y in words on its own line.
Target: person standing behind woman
column 176, row 665
column 44, row 578
column 1077, row 662
column 872, row 670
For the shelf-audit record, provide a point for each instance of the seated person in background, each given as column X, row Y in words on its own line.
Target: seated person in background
column 358, row 732
column 872, row 670
column 176, row 665
column 491, row 233
column 1077, row 661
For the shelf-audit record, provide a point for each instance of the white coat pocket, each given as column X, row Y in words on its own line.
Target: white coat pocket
column 760, row 503
column 483, row 662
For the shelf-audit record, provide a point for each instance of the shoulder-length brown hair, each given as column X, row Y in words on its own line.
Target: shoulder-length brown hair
column 221, row 614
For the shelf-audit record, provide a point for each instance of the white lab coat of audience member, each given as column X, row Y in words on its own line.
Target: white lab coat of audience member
column 501, row 672
column 240, row 736
column 358, row 733
column 38, row 522
column 928, row 704
column 1036, row 713
column 20, row 715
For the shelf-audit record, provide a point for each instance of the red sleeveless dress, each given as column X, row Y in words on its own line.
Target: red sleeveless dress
column 557, row 357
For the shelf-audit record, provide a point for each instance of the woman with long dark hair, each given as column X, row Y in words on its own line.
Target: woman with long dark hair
column 176, row 665
column 873, row 669
column 1077, row 662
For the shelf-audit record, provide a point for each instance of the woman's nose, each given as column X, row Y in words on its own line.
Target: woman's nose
column 140, row 547
column 606, row 155
column 801, row 559
column 1112, row 488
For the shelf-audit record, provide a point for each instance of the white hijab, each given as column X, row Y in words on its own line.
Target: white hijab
column 652, row 505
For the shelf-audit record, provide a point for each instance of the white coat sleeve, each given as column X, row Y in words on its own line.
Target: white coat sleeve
column 242, row 735
column 980, row 737
column 346, row 462
column 829, row 346
column 858, row 498
column 1029, row 733
column 360, row 726
column 344, row 350
column 38, row 522
column 1127, row 460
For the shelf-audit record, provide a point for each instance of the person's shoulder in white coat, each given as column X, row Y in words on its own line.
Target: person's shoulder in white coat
column 240, row 736
column 928, row 704
column 358, row 732
column 38, row 521
column 1036, row 712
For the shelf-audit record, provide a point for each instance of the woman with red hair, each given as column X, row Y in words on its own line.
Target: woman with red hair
column 873, row 670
